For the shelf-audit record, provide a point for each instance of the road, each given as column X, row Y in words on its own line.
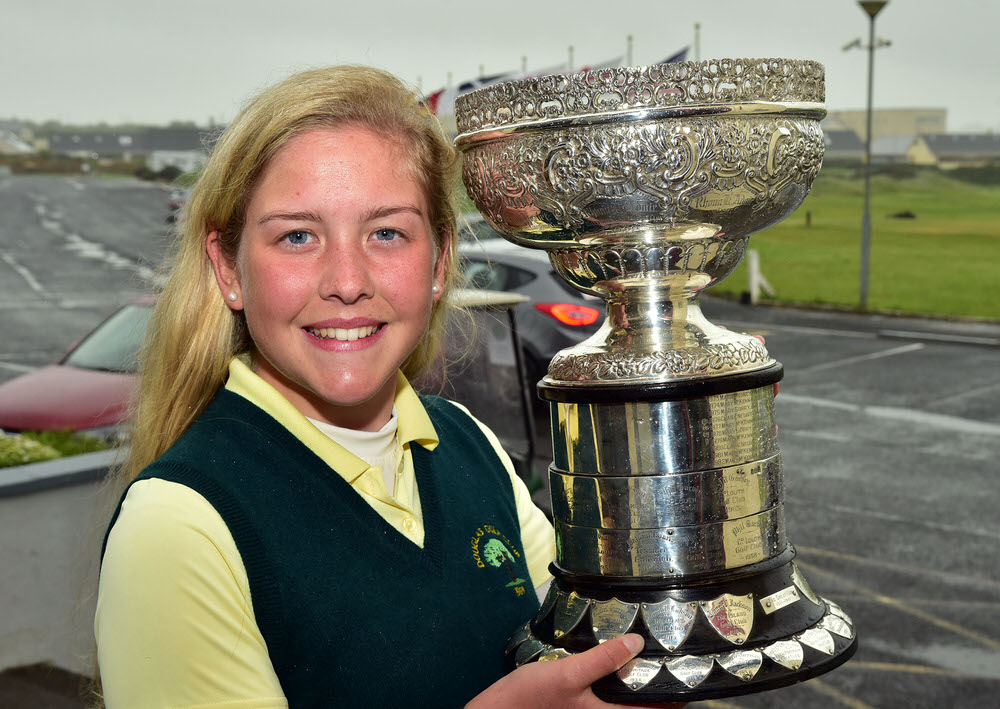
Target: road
column 889, row 429
column 72, row 249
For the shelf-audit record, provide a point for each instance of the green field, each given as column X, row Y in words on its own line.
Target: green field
column 945, row 261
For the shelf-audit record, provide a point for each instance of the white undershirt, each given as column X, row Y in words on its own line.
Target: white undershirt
column 380, row 449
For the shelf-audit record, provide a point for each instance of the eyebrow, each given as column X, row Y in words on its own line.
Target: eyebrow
column 290, row 217
column 370, row 215
column 382, row 212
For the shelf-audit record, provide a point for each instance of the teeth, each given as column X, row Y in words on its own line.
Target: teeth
column 342, row 334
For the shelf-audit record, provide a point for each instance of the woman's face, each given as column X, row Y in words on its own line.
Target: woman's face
column 335, row 273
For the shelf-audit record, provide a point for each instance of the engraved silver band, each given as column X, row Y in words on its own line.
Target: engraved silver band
column 657, row 438
column 668, row 500
column 670, row 551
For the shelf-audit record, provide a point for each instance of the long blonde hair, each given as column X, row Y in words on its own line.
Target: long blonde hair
column 193, row 335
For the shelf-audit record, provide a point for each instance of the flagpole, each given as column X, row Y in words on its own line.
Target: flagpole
column 628, row 51
column 524, row 63
column 697, row 41
column 570, row 63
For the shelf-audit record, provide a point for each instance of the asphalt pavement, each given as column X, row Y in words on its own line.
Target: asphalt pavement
column 889, row 431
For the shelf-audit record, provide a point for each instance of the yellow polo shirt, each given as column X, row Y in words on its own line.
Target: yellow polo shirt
column 175, row 624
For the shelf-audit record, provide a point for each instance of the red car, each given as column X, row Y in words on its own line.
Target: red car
column 89, row 389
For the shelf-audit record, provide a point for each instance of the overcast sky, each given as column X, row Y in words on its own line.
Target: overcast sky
column 154, row 61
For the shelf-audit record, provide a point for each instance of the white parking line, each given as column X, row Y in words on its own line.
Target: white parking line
column 804, row 329
column 978, row 391
column 862, row 358
column 938, row 337
column 896, row 413
column 24, row 273
column 92, row 250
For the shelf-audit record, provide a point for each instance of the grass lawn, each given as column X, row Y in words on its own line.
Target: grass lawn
column 945, row 261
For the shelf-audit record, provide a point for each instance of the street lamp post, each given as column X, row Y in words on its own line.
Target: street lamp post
column 872, row 7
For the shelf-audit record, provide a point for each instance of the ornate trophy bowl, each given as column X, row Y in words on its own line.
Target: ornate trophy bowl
column 644, row 185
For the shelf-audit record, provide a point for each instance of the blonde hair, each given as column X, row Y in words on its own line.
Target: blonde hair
column 193, row 335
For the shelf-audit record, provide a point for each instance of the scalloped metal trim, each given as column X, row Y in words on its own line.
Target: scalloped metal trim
column 617, row 89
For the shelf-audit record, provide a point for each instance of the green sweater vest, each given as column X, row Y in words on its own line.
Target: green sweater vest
column 353, row 613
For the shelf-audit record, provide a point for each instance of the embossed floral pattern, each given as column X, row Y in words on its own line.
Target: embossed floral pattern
column 621, row 365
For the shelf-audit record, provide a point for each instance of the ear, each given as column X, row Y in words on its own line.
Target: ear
column 226, row 274
column 441, row 266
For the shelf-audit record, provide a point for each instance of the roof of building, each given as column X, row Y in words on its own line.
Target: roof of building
column 964, row 143
column 842, row 141
column 142, row 140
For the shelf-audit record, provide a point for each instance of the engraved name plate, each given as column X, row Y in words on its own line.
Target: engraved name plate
column 837, row 610
column 786, row 653
column 569, row 610
column 528, row 649
column 548, row 604
column 519, row 636
column 669, row 621
column 741, row 663
column 836, row 625
column 637, row 673
column 556, row 653
column 800, row 582
column 690, row 669
column 731, row 616
column 776, row 601
column 818, row 639
column 612, row 618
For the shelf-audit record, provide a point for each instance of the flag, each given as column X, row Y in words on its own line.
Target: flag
column 442, row 101
column 679, row 57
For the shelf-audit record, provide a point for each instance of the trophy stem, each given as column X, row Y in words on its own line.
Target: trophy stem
column 653, row 336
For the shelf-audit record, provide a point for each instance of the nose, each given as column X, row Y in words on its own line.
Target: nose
column 347, row 274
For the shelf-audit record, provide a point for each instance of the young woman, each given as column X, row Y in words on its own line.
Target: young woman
column 298, row 527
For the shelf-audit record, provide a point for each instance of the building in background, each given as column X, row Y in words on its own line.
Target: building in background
column 956, row 150
column 890, row 122
column 182, row 147
column 842, row 146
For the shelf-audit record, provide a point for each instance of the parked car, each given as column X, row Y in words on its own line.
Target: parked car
column 557, row 316
column 89, row 388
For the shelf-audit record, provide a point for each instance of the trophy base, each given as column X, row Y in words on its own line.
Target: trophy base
column 610, row 690
column 703, row 640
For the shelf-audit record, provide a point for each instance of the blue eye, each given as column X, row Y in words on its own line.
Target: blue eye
column 297, row 237
column 385, row 234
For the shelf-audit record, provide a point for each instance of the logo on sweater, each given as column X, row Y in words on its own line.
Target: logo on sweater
column 492, row 549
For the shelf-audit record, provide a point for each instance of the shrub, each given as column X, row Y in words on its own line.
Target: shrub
column 19, row 450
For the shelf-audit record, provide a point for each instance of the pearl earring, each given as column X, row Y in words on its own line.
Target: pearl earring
column 232, row 296
column 435, row 288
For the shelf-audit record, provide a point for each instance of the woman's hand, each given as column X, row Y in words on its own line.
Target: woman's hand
column 564, row 683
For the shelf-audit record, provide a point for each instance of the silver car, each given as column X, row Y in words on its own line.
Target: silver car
column 556, row 316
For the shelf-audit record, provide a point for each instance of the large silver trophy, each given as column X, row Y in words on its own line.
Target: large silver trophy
column 644, row 185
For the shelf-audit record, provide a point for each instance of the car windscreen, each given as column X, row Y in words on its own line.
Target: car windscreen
column 113, row 346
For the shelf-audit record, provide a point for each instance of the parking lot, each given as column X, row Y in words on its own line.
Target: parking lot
column 889, row 429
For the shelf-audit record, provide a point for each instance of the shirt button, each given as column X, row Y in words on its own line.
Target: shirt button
column 409, row 524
